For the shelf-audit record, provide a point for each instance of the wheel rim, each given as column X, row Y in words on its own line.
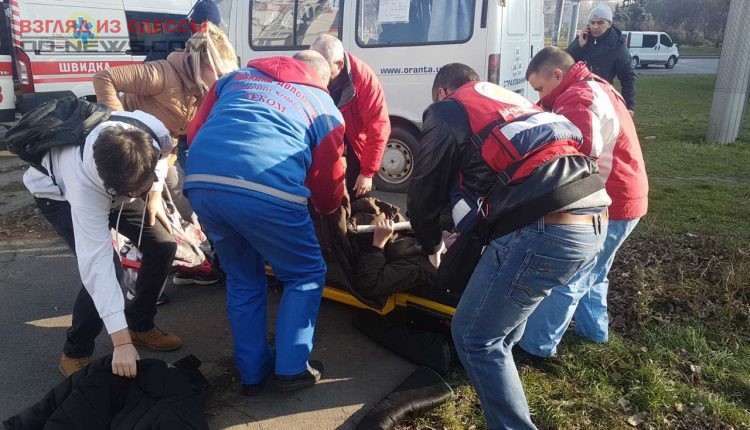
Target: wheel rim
column 397, row 162
column 635, row 62
column 670, row 62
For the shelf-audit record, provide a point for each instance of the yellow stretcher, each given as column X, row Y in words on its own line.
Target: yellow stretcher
column 396, row 300
column 407, row 300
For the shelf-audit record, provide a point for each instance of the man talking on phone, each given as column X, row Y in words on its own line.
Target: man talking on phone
column 602, row 46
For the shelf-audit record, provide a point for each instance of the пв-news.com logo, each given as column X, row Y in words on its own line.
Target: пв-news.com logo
column 103, row 45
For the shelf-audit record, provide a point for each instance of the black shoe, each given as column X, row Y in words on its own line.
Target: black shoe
column 305, row 379
column 252, row 390
column 523, row 357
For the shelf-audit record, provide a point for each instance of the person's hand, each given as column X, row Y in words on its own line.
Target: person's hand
column 449, row 239
column 436, row 257
column 362, row 186
column 124, row 359
column 124, row 355
column 382, row 234
column 156, row 210
column 583, row 36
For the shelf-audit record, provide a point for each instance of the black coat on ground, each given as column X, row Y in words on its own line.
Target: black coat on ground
column 160, row 397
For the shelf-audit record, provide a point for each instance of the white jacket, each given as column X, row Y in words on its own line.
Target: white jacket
column 79, row 183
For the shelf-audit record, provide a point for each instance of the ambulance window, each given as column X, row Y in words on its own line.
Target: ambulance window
column 413, row 22
column 649, row 40
column 156, row 31
column 293, row 24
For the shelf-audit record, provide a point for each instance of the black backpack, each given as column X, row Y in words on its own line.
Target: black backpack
column 61, row 122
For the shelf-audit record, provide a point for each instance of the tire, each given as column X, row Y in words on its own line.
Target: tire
column 398, row 161
column 671, row 62
column 636, row 62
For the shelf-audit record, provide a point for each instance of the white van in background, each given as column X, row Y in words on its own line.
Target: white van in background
column 405, row 42
column 652, row 47
column 59, row 44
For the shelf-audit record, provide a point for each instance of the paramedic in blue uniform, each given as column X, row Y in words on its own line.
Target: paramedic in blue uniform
column 267, row 139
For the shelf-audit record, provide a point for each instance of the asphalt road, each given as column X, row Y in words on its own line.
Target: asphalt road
column 686, row 66
column 38, row 285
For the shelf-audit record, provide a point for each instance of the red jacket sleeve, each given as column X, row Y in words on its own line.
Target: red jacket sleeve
column 325, row 179
column 376, row 125
column 202, row 114
column 577, row 109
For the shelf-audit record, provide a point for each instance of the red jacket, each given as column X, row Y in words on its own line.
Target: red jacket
column 609, row 133
column 366, row 115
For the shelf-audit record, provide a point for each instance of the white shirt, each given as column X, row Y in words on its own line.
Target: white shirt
column 79, row 183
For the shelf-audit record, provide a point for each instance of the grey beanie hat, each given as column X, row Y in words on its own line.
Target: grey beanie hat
column 601, row 11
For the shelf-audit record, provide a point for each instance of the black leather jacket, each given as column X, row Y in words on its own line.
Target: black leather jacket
column 440, row 159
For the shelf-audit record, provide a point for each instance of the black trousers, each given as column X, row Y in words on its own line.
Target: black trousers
column 158, row 248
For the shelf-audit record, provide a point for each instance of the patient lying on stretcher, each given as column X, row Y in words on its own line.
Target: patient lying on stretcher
column 372, row 266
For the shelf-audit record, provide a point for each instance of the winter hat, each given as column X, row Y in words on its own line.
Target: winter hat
column 206, row 10
column 601, row 11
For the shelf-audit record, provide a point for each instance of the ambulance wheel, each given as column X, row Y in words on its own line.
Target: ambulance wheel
column 398, row 161
column 636, row 62
column 671, row 62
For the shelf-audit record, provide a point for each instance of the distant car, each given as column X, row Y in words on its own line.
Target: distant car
column 652, row 47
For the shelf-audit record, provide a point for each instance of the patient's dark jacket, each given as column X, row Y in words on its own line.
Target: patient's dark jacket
column 354, row 265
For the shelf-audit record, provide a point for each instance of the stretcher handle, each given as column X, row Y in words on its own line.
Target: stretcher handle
column 405, row 225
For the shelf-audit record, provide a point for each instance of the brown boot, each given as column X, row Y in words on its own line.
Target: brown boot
column 156, row 339
column 70, row 365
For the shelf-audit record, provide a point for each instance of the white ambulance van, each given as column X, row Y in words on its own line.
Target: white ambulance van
column 652, row 47
column 405, row 42
column 58, row 45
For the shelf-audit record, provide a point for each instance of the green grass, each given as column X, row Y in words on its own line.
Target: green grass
column 698, row 50
column 695, row 187
column 679, row 352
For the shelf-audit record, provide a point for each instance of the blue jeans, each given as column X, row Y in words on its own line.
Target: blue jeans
column 514, row 274
column 584, row 296
column 247, row 231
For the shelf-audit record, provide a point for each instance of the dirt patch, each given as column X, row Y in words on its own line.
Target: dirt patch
column 664, row 277
column 25, row 224
column 13, row 187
